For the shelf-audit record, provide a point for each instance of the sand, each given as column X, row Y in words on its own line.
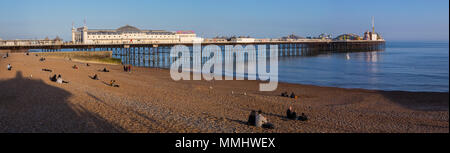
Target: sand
column 149, row 101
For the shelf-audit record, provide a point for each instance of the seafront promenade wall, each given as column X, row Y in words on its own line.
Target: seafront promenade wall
column 106, row 54
column 104, row 57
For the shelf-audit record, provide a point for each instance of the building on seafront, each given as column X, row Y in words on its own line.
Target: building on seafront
column 368, row 35
column 372, row 36
column 349, row 36
column 130, row 34
column 243, row 40
column 24, row 42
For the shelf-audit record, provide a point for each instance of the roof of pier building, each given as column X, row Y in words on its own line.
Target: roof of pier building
column 349, row 36
column 292, row 36
column 128, row 29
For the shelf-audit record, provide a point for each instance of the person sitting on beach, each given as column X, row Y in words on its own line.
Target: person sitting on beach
column 42, row 59
column 87, row 64
column 303, row 117
column 284, row 94
column 292, row 95
column 252, row 118
column 75, row 67
column 60, row 80
column 53, row 78
column 95, row 77
column 9, row 67
column 112, row 83
column 261, row 121
column 291, row 114
column 105, row 70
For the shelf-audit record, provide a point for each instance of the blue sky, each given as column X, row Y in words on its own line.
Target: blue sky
column 396, row 20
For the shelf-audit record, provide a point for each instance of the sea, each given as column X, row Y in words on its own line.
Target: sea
column 402, row 66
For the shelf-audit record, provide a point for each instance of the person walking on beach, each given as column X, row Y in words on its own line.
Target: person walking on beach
column 9, row 67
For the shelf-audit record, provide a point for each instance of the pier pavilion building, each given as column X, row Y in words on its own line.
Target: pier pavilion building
column 129, row 34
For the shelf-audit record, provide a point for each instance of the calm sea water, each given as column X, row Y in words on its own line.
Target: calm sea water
column 404, row 66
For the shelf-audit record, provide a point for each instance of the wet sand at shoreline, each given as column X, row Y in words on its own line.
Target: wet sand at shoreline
column 148, row 100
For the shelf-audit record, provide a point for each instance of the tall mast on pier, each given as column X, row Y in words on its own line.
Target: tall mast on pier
column 84, row 21
column 373, row 24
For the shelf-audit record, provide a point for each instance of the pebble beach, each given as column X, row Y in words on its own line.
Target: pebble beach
column 149, row 101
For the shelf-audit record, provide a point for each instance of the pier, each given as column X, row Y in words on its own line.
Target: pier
column 158, row 54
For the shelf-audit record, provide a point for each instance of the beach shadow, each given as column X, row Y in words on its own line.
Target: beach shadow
column 276, row 115
column 32, row 106
column 238, row 121
column 422, row 101
column 267, row 114
column 123, row 112
column 95, row 97
column 106, row 83
column 101, row 70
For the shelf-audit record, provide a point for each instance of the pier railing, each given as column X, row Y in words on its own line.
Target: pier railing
column 37, row 44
